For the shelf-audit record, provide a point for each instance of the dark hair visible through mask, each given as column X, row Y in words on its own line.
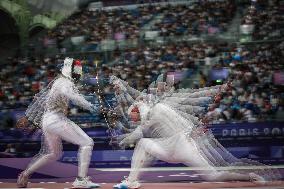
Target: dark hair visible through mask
column 75, row 76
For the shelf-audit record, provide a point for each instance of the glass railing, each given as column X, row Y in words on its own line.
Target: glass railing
column 169, row 2
column 111, row 45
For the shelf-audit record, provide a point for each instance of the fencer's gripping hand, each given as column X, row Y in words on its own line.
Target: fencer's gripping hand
column 125, row 142
column 122, row 145
column 22, row 123
column 205, row 121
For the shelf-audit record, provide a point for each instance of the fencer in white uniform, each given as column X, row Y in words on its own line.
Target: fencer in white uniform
column 48, row 110
column 167, row 130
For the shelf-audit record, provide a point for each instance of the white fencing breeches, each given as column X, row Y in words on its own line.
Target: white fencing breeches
column 57, row 127
column 183, row 152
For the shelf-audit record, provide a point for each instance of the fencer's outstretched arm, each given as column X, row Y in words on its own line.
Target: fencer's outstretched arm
column 205, row 91
column 188, row 101
column 197, row 94
column 124, row 86
column 189, row 90
column 132, row 137
column 70, row 91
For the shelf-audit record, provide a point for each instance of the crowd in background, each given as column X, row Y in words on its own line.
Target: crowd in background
column 122, row 24
column 267, row 18
column 140, row 66
column 101, row 25
column 254, row 94
column 200, row 18
column 21, row 78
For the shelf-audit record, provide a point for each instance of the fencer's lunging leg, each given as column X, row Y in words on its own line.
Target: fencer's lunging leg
column 227, row 176
column 51, row 151
column 84, row 157
column 192, row 157
column 145, row 152
column 186, row 153
column 140, row 159
column 75, row 135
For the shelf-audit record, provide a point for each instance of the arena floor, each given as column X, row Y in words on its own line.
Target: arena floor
column 202, row 185
column 61, row 175
column 153, row 178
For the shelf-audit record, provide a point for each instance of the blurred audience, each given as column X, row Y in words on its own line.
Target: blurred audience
column 267, row 18
column 203, row 17
column 254, row 96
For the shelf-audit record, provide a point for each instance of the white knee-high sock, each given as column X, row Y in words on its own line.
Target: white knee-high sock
column 140, row 159
column 84, row 158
